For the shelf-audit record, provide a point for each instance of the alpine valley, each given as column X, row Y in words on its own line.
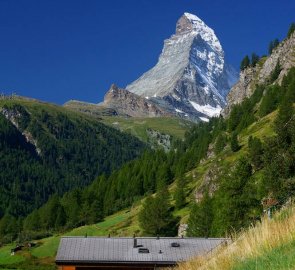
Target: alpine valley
column 186, row 149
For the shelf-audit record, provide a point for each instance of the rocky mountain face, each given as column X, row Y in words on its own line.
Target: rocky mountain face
column 191, row 78
column 125, row 102
column 284, row 54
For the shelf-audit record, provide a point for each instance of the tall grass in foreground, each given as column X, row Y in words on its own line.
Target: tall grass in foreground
column 253, row 242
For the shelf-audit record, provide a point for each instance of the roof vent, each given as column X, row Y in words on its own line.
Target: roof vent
column 134, row 242
column 174, row 244
column 143, row 250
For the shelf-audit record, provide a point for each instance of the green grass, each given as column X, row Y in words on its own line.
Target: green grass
column 173, row 126
column 282, row 258
column 121, row 223
column 6, row 258
column 36, row 106
column 47, row 248
column 138, row 126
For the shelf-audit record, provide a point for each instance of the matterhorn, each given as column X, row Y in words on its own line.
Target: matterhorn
column 191, row 78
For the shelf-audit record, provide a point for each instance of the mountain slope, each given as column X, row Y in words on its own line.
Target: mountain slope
column 282, row 57
column 130, row 104
column 268, row 245
column 46, row 149
column 215, row 174
column 191, row 75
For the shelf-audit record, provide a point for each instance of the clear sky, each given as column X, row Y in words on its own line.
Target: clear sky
column 56, row 50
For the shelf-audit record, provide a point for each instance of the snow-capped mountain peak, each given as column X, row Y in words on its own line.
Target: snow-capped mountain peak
column 191, row 70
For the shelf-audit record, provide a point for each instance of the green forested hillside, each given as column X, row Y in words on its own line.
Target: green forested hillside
column 244, row 158
column 49, row 150
column 228, row 165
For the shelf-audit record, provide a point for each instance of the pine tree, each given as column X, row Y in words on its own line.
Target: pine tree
column 254, row 59
column 291, row 30
column 255, row 152
column 275, row 73
column 270, row 100
column 32, row 221
column 96, row 212
column 61, row 218
column 235, row 202
column 234, row 144
column 165, row 176
column 284, row 121
column 201, row 218
column 179, row 194
column 156, row 217
column 220, row 144
column 245, row 63
column 272, row 45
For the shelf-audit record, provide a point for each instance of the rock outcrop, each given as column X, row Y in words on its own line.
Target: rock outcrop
column 284, row 54
column 125, row 102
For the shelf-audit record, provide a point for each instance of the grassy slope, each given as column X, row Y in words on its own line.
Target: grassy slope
column 269, row 245
column 35, row 106
column 138, row 126
column 134, row 126
column 120, row 224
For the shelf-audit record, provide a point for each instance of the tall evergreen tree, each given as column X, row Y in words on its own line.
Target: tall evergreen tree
column 285, row 120
column 276, row 72
column 254, row 59
column 201, row 218
column 235, row 203
column 291, row 30
column 234, row 143
column 245, row 62
column 220, row 143
column 179, row 194
column 255, row 152
column 272, row 45
column 156, row 217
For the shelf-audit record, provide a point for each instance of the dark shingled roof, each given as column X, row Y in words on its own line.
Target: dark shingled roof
column 120, row 250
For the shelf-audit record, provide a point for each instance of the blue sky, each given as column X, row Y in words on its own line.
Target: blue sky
column 56, row 50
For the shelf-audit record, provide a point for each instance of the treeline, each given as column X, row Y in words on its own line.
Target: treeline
column 267, row 170
column 71, row 151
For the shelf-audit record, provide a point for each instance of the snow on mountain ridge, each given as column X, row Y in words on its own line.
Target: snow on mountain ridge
column 191, row 68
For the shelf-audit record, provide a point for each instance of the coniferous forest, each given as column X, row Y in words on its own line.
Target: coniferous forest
column 235, row 204
column 49, row 152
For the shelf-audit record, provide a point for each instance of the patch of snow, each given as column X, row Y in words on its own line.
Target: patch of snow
column 206, row 109
column 206, row 88
column 192, row 17
column 146, row 97
column 179, row 111
column 204, row 119
column 176, row 97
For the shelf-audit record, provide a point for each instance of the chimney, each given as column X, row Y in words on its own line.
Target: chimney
column 134, row 242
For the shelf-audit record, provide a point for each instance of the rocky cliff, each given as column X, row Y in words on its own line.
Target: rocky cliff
column 125, row 102
column 284, row 54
